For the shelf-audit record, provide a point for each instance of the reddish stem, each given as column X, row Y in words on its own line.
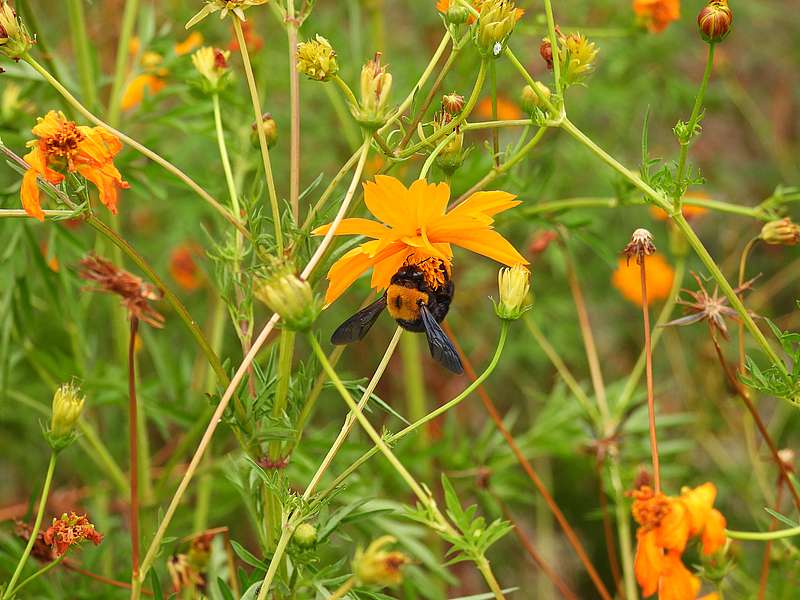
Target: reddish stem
column 742, row 393
column 532, row 475
column 120, row 584
column 133, row 416
column 651, row 404
column 762, row 584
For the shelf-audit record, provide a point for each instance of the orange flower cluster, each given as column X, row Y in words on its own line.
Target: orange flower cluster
column 184, row 269
column 507, row 110
column 657, row 14
column 659, row 276
column 88, row 151
column 666, row 524
column 70, row 530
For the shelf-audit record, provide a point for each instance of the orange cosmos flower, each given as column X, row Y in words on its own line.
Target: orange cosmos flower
column 666, row 524
column 184, row 269
column 507, row 110
column 88, row 151
column 443, row 5
column 194, row 40
column 657, row 14
column 659, row 273
column 70, row 530
column 416, row 226
column 134, row 92
column 689, row 212
column 252, row 40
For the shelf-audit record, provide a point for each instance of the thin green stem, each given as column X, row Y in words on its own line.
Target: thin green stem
column 742, row 271
column 495, row 133
column 262, row 138
column 80, row 41
column 136, row 145
column 698, row 104
column 129, row 14
column 133, row 445
column 544, row 100
column 348, row 93
column 37, row 524
column 551, row 35
column 452, row 125
column 430, row 416
column 762, row 536
column 38, row 573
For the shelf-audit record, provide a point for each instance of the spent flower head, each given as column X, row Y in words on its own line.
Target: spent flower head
column 577, row 56
column 237, row 7
column 782, row 232
column 496, row 21
column 134, row 293
column 14, row 37
column 285, row 293
column 514, row 285
column 641, row 245
column 316, row 59
column 66, row 410
column 715, row 21
column 70, row 530
column 375, row 566
column 212, row 65
column 376, row 84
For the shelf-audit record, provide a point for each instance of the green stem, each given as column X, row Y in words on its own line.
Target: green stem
column 544, row 100
column 495, row 133
column 129, row 14
column 80, row 39
column 48, row 480
column 343, row 589
column 698, row 104
column 452, row 125
column 428, row 417
column 551, row 34
column 568, row 204
column 136, row 145
column 762, row 536
column 262, row 138
column 38, row 573
column 348, row 93
column 486, row 571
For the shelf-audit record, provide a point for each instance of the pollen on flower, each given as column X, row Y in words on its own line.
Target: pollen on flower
column 70, row 530
column 434, row 270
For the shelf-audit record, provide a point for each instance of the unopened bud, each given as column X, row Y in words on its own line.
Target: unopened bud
column 14, row 37
column 286, row 294
column 495, row 23
column 453, row 103
column 782, row 232
column 67, row 407
column 305, row 536
column 376, row 84
column 546, row 52
column 715, row 21
column 375, row 566
column 513, row 284
column 270, row 128
column 530, row 100
column 457, row 15
column 316, row 59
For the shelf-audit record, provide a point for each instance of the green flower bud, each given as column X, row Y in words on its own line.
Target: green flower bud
column 715, row 20
column 530, row 100
column 305, row 536
column 270, row 128
column 376, row 83
column 14, row 37
column 66, row 410
column 495, row 23
column 289, row 296
column 514, row 285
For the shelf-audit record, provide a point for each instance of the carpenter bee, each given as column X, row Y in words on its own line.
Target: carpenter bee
column 418, row 302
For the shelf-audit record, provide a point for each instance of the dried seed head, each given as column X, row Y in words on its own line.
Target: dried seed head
column 715, row 20
column 135, row 293
column 641, row 245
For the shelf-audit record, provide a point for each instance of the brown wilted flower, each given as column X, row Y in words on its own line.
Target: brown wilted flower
column 708, row 307
column 641, row 245
column 134, row 292
column 183, row 573
column 70, row 530
column 782, row 232
column 41, row 550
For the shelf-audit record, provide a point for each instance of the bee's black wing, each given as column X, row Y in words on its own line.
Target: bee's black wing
column 357, row 326
column 440, row 345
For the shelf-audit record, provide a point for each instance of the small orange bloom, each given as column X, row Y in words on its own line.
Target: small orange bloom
column 70, row 530
column 689, row 212
column 134, row 92
column 252, row 40
column 507, row 110
column 665, row 526
column 88, row 151
column 194, row 40
column 416, row 226
column 657, row 14
column 659, row 273
column 184, row 269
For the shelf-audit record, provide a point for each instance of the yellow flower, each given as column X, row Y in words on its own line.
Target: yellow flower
column 317, row 59
column 135, row 91
column 496, row 21
column 14, row 37
column 88, row 151
column 514, row 284
column 416, row 226
column 237, row 7
column 627, row 279
column 67, row 407
column 577, row 54
column 212, row 64
column 374, row 566
column 657, row 14
column 376, row 83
